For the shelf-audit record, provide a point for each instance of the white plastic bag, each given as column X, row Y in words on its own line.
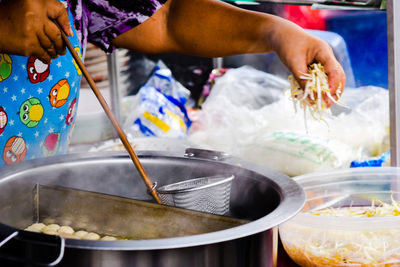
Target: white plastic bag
column 295, row 153
column 247, row 106
column 248, row 87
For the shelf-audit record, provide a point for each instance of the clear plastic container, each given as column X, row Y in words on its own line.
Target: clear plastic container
column 312, row 240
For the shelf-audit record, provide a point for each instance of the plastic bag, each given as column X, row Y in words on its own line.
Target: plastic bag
column 295, row 153
column 246, row 106
column 365, row 124
column 162, row 80
column 248, row 87
column 234, row 109
column 159, row 109
column 380, row 161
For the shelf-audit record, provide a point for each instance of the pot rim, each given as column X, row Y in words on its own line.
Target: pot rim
column 292, row 201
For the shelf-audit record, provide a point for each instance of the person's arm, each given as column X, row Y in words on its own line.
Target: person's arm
column 28, row 28
column 212, row 28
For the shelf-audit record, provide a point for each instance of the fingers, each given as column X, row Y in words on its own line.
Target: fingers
column 60, row 15
column 337, row 80
column 320, row 51
column 57, row 15
column 299, row 69
column 50, row 41
column 336, row 75
column 50, row 35
column 42, row 54
column 53, row 33
column 47, row 44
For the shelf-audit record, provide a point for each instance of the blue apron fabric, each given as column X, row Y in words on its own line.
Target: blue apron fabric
column 37, row 104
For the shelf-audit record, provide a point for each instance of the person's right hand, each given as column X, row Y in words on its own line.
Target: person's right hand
column 28, row 28
column 298, row 49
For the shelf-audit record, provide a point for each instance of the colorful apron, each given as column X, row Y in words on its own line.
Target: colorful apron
column 37, row 105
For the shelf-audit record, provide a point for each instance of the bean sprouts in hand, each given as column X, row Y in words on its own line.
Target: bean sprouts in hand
column 312, row 96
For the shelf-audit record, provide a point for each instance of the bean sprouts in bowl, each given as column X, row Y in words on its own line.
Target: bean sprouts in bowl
column 351, row 218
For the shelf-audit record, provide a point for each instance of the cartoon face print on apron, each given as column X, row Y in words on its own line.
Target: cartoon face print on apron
column 38, row 104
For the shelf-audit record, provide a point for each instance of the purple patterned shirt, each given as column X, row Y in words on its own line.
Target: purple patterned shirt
column 100, row 21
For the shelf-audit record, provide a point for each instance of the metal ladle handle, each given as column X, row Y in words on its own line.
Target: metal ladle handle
column 114, row 122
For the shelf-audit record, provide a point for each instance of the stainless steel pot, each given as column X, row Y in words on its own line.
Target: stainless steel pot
column 264, row 197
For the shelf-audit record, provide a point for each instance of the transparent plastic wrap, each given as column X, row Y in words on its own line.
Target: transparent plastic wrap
column 246, row 106
column 246, row 86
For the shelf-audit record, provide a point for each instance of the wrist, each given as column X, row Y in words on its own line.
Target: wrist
column 269, row 34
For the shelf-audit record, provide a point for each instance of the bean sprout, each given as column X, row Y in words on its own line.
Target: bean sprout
column 310, row 246
column 312, row 96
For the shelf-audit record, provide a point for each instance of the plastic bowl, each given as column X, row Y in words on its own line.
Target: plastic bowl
column 312, row 240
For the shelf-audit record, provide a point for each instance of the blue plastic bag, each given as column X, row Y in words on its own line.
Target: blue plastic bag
column 372, row 162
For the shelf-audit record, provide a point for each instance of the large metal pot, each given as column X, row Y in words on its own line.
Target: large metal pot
column 264, row 197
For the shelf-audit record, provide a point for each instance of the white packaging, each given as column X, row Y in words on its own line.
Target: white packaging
column 295, row 153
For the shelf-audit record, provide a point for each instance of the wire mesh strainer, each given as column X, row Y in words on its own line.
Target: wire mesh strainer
column 207, row 194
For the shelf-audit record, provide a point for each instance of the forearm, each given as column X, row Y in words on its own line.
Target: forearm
column 205, row 28
column 214, row 28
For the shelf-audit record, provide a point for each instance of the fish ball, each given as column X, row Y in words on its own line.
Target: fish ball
column 66, row 230
column 36, row 227
column 108, row 238
column 81, row 233
column 51, row 227
column 92, row 236
column 66, row 235
column 49, row 231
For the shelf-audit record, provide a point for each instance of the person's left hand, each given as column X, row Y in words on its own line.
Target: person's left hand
column 297, row 49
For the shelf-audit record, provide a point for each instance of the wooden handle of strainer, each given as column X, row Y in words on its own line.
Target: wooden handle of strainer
column 114, row 122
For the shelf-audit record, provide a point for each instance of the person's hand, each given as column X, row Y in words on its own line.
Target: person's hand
column 297, row 49
column 29, row 28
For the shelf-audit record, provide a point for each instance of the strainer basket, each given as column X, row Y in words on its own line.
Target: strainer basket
column 207, row 194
